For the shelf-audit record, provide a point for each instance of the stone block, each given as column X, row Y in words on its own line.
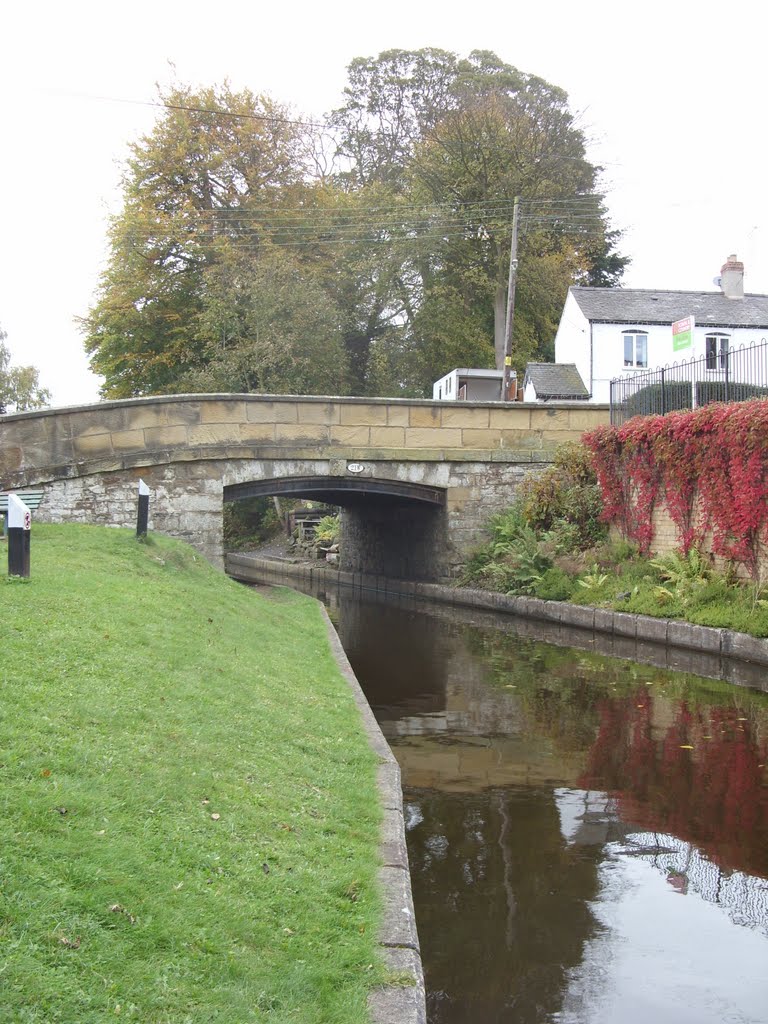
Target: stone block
column 510, row 417
column 385, row 437
column 653, row 630
column 206, row 434
column 399, row 923
column 625, row 624
column 425, row 416
column 588, row 418
column 580, row 615
column 11, row 458
column 398, row 416
column 166, row 437
column 300, row 433
column 603, row 618
column 745, row 647
column 363, row 413
column 257, row 433
column 439, row 437
column 222, row 411
column 92, row 445
column 475, row 438
column 699, row 638
column 521, row 439
column 460, row 415
column 354, row 436
column 128, row 440
column 271, row 412
column 137, row 417
column 318, row 412
column 548, row 418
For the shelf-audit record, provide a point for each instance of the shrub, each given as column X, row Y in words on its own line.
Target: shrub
column 554, row 585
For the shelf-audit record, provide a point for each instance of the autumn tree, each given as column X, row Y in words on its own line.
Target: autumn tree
column 19, row 385
column 203, row 195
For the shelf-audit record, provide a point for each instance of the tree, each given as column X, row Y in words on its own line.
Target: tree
column 19, row 385
column 204, row 184
column 465, row 137
column 244, row 259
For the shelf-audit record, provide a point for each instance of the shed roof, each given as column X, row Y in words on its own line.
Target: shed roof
column 646, row 306
column 556, row 380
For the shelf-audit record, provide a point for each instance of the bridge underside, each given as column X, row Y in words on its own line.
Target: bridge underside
column 388, row 527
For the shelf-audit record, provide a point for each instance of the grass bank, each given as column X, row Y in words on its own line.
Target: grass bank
column 189, row 817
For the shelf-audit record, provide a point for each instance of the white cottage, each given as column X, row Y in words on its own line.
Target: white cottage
column 611, row 332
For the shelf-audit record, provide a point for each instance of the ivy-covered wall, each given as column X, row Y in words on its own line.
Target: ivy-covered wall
column 707, row 470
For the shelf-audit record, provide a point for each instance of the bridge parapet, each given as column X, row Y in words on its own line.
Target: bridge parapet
column 112, row 436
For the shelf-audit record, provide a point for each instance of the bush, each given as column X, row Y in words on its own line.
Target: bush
column 554, row 585
column 565, row 500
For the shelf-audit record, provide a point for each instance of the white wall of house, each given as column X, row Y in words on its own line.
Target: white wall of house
column 572, row 342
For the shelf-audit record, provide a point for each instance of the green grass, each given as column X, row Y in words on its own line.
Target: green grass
column 188, row 813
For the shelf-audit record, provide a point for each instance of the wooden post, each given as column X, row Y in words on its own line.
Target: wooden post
column 19, row 532
column 143, row 515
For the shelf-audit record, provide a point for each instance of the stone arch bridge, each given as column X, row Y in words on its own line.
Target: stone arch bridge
column 417, row 480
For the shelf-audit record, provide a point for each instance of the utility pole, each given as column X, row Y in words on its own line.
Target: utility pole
column 510, row 324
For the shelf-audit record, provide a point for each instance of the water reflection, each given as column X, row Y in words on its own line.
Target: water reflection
column 588, row 837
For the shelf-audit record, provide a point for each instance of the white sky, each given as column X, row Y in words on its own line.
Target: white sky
column 671, row 94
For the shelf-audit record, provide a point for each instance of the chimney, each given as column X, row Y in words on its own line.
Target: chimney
column 732, row 278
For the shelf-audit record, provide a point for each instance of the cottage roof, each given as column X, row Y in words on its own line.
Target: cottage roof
column 556, row 380
column 646, row 306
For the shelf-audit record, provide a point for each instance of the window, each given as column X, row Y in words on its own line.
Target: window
column 635, row 348
column 717, row 351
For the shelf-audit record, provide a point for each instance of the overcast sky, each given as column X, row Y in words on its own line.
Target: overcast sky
column 672, row 96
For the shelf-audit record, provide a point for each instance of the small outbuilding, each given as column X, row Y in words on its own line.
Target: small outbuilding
column 549, row 382
column 464, row 385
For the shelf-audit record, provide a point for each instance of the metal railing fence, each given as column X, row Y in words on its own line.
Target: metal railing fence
column 734, row 375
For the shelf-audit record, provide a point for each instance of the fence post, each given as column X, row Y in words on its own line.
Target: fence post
column 727, row 372
column 663, row 392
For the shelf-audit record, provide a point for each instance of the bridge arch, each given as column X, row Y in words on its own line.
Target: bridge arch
column 389, row 527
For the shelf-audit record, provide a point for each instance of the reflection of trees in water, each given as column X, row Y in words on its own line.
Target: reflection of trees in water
column 501, row 903
column 700, row 778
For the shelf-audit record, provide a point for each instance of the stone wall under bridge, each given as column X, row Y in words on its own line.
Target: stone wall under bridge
column 417, row 480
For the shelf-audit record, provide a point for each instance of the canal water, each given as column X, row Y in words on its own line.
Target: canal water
column 588, row 837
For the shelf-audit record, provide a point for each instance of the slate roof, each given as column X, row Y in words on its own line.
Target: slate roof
column 645, row 306
column 556, row 380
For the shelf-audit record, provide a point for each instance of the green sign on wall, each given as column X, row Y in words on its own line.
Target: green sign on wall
column 682, row 334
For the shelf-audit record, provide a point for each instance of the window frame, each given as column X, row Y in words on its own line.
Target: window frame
column 716, row 354
column 635, row 334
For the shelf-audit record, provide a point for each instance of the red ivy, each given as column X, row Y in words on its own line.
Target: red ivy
column 709, row 468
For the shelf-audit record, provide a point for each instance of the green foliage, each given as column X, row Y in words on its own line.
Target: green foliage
column 19, row 385
column 249, row 522
column 554, row 585
column 327, row 529
column 565, row 499
column 248, row 257
column 196, row 798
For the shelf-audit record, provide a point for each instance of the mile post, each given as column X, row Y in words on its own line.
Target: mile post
column 143, row 516
column 19, row 531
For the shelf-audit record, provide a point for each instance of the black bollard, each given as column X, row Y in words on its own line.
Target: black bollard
column 143, row 517
column 19, row 534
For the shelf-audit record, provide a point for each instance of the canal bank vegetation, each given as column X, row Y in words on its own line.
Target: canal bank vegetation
column 190, row 820
column 554, row 543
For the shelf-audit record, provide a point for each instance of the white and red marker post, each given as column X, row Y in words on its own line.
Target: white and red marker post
column 19, row 534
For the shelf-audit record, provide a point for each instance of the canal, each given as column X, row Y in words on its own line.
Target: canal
column 588, row 837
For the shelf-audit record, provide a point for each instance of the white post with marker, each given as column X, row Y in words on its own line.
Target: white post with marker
column 19, row 535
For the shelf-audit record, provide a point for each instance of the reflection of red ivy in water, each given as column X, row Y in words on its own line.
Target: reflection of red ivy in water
column 713, row 795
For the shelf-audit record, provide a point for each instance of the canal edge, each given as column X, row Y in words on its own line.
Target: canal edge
column 633, row 636
column 398, row 937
